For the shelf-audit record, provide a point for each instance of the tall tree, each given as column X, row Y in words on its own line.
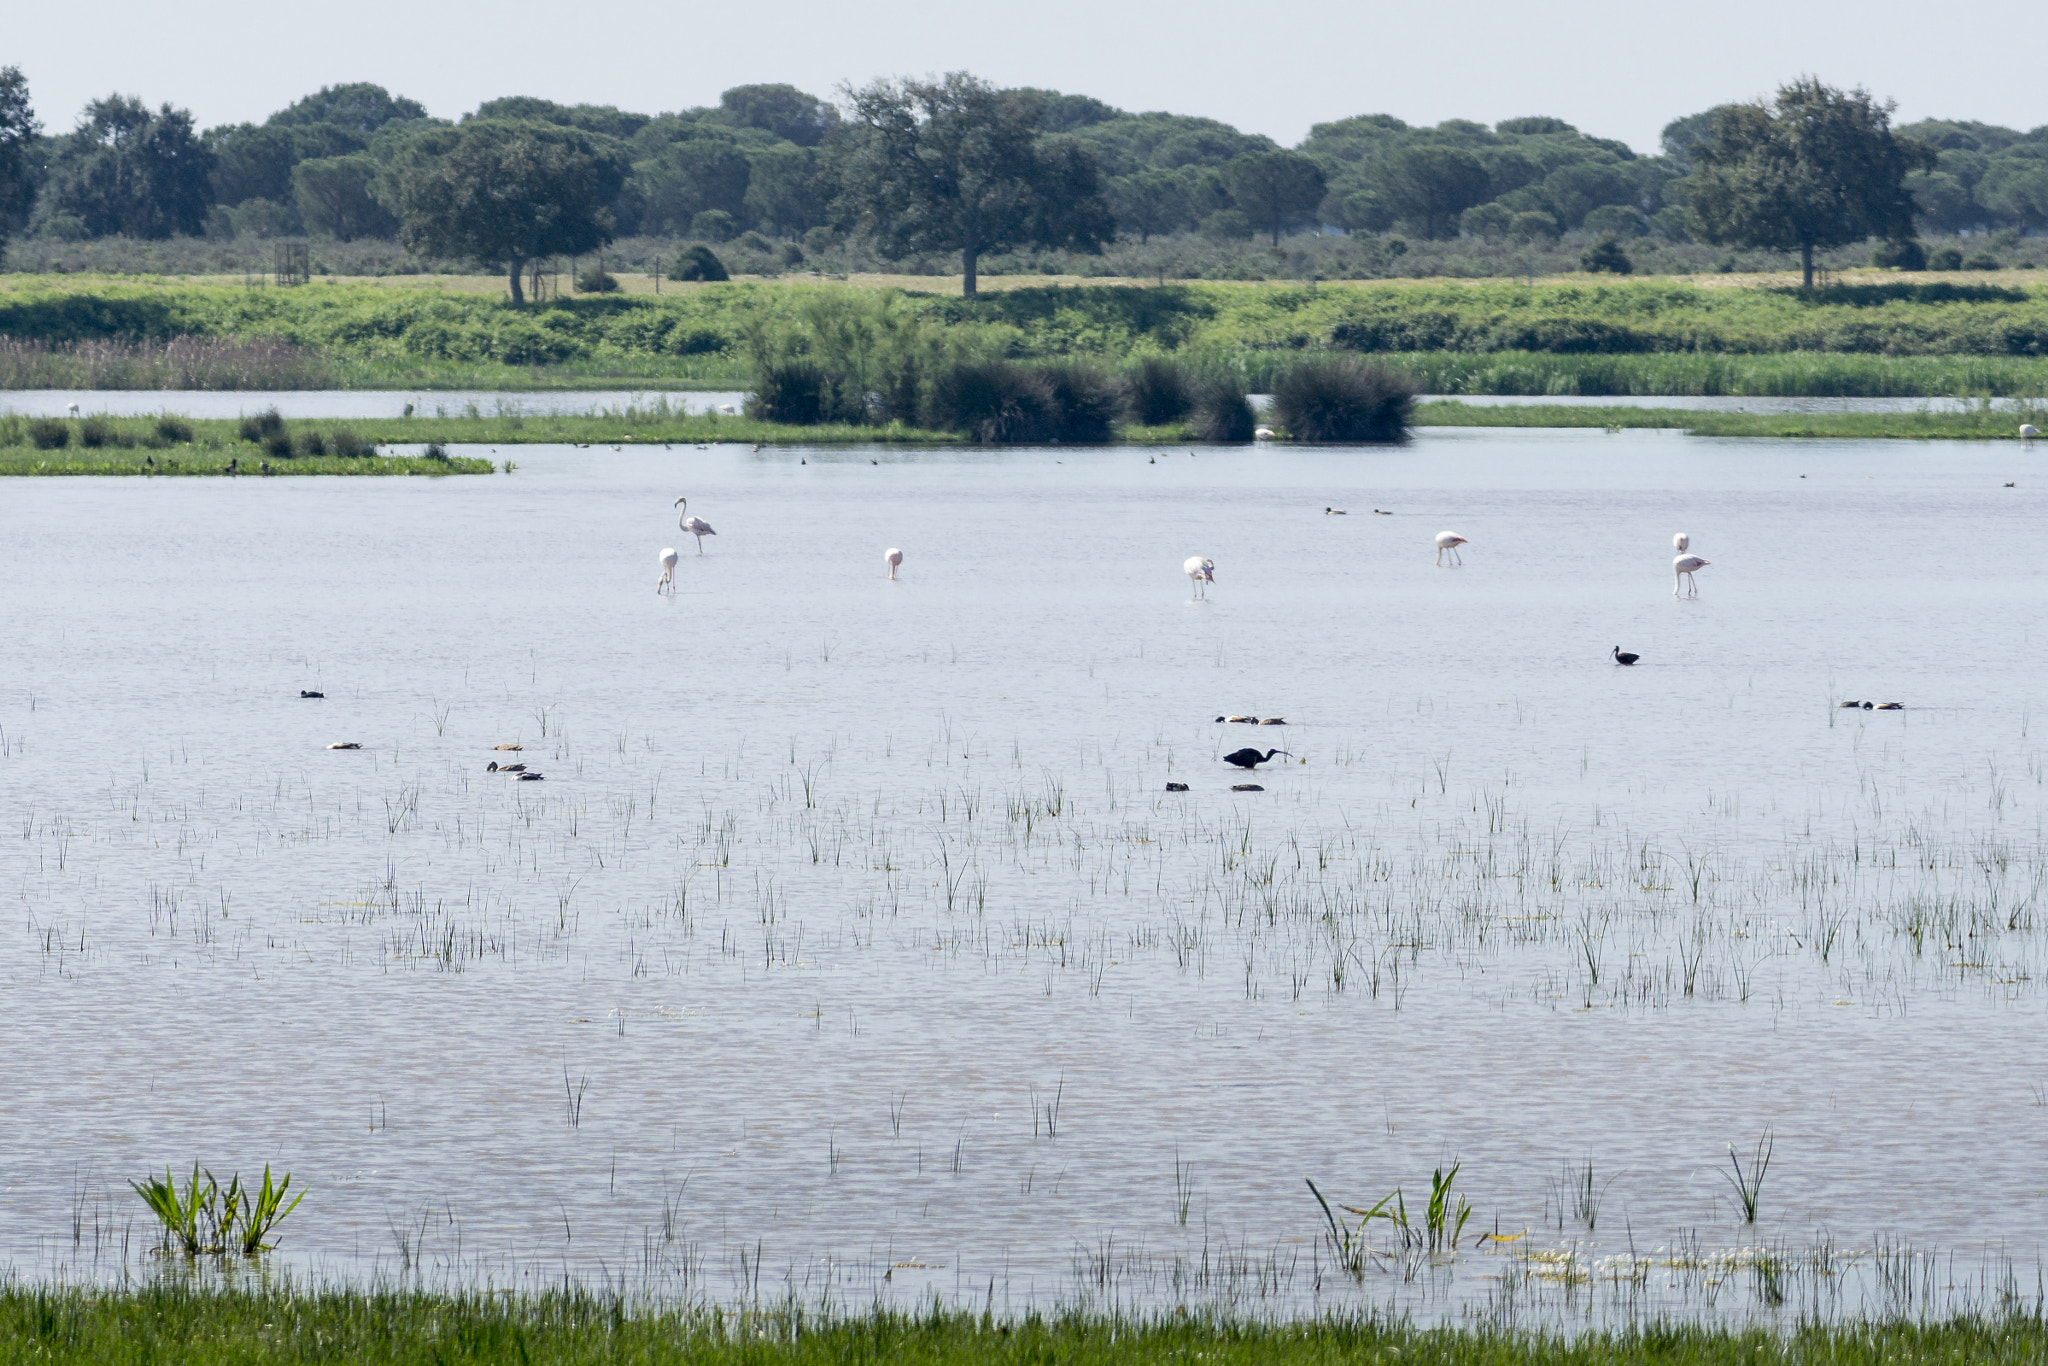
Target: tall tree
column 1818, row 167
column 1274, row 188
column 1428, row 186
column 504, row 194
column 18, row 132
column 335, row 196
column 126, row 170
column 958, row 165
column 783, row 110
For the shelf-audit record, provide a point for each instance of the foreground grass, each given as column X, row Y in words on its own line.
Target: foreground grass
column 1977, row 424
column 198, row 1328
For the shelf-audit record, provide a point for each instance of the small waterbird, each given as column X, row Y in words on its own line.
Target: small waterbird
column 1449, row 541
column 1246, row 787
column 696, row 526
column 1176, row 787
column 1272, row 720
column 344, row 744
column 510, row 747
column 530, row 777
column 1622, row 658
column 1891, row 706
column 1240, row 720
column 1335, row 512
column 1201, row 572
column 304, row 693
column 1251, row 758
column 1682, row 571
column 892, row 557
column 495, row 767
column 667, row 582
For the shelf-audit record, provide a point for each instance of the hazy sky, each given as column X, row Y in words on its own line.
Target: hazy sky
column 1618, row 70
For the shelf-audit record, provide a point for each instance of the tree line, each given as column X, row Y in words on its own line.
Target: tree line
column 955, row 165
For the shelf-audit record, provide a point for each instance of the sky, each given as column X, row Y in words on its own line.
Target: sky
column 1612, row 69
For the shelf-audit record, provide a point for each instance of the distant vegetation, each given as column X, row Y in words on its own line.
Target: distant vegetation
column 773, row 179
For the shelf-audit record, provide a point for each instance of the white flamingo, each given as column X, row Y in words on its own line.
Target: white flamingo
column 1682, row 570
column 696, row 526
column 892, row 557
column 1449, row 540
column 2028, row 431
column 667, row 582
column 1201, row 571
column 1681, row 542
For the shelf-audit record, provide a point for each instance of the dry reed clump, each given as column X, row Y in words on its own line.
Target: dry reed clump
column 213, row 363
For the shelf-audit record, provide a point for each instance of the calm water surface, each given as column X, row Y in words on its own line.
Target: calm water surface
column 852, row 945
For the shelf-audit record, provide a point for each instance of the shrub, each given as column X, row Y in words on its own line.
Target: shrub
column 311, row 443
column 48, row 434
column 1223, row 411
column 1983, row 260
column 714, row 224
column 1156, row 391
column 1490, row 221
column 1085, row 403
column 596, row 281
column 699, row 262
column 1906, row 255
column 994, row 402
column 1606, row 255
column 262, row 426
column 1342, row 398
column 435, row 451
column 792, row 254
column 1948, row 258
column 345, row 442
column 1532, row 226
column 173, row 430
column 95, row 432
column 278, row 444
column 800, row 391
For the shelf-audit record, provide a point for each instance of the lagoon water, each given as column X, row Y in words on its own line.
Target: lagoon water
column 852, row 947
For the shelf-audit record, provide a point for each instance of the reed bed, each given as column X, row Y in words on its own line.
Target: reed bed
column 213, row 363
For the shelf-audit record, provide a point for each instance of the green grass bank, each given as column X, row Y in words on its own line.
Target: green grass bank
column 1976, row 424
column 1871, row 338
column 53, row 1327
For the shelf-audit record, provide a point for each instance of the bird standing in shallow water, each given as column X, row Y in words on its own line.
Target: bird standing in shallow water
column 1620, row 658
column 1251, row 758
column 892, row 557
column 696, row 526
column 1201, row 571
column 1682, row 570
column 1449, row 541
column 667, row 582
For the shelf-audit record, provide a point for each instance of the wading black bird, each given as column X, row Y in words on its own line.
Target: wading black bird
column 1251, row 758
column 1620, row 658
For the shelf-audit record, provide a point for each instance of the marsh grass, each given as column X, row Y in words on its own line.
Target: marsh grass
column 205, row 1220
column 1979, row 423
column 1747, row 1180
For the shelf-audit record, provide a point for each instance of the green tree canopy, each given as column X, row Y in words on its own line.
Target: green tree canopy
column 1428, row 186
column 1274, row 188
column 506, row 193
column 334, row 196
column 1817, row 168
column 361, row 107
column 958, row 165
column 783, row 110
column 126, row 170
column 18, row 133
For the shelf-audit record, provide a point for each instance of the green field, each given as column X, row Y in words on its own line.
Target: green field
column 1565, row 336
column 52, row 1327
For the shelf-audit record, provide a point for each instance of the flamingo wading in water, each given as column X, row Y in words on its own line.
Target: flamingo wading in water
column 892, row 557
column 1449, row 541
column 1682, row 570
column 667, row 582
column 1201, row 571
column 696, row 526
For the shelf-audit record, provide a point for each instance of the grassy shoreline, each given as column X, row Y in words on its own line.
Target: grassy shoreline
column 1976, row 424
column 51, row 1326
